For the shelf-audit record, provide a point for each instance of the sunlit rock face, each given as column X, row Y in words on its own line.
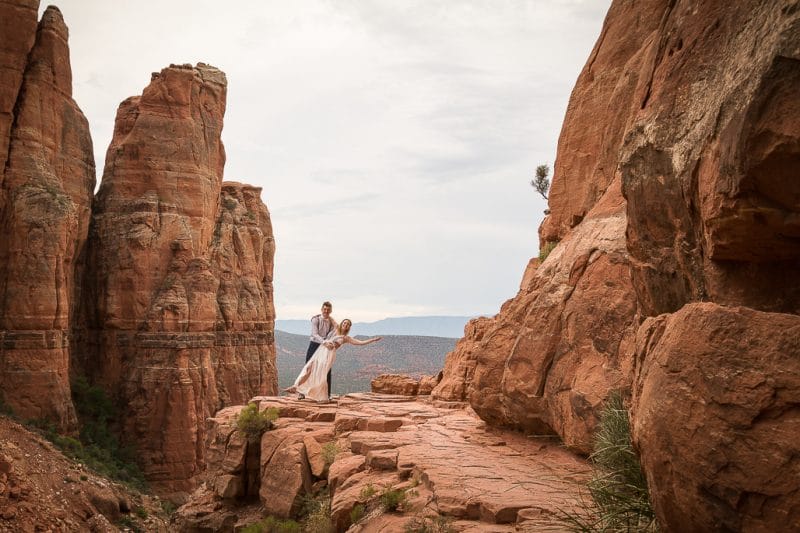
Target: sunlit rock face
column 675, row 183
column 180, row 266
column 48, row 179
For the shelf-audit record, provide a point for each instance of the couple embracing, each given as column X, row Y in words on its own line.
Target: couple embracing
column 314, row 380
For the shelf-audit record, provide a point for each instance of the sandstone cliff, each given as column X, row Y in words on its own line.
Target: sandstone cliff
column 675, row 183
column 160, row 287
column 45, row 204
column 180, row 269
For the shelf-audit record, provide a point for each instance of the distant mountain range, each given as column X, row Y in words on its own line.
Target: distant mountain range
column 356, row 366
column 434, row 326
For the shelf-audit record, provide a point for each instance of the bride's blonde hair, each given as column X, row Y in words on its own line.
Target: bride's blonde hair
column 344, row 329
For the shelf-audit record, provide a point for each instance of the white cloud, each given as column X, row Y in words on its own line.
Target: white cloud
column 394, row 141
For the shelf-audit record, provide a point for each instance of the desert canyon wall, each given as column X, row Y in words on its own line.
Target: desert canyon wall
column 159, row 288
column 675, row 204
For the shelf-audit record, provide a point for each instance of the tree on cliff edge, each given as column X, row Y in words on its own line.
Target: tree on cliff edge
column 540, row 182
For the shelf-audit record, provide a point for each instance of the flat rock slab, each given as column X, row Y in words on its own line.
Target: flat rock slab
column 477, row 475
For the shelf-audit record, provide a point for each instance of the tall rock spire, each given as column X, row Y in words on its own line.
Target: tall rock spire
column 46, row 200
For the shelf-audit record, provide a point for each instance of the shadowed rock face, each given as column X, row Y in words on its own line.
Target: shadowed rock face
column 180, row 266
column 45, row 205
column 710, row 166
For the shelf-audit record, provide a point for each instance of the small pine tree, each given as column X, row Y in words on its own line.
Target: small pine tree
column 540, row 182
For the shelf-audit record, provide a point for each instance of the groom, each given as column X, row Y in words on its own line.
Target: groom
column 321, row 330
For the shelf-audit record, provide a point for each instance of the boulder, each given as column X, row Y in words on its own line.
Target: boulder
column 714, row 418
column 395, row 384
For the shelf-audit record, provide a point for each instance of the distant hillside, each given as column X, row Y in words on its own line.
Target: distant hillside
column 434, row 326
column 356, row 366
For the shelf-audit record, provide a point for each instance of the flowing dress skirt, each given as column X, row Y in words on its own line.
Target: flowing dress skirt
column 313, row 378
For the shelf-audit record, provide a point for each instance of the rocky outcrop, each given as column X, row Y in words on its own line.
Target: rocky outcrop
column 404, row 385
column 674, row 184
column 45, row 204
column 715, row 417
column 709, row 167
column 180, row 265
column 449, row 465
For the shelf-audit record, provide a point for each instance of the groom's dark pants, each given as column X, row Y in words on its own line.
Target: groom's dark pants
column 312, row 347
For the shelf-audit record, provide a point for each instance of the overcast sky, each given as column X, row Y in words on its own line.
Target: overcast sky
column 395, row 140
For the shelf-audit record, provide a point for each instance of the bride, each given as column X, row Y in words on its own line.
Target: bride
column 313, row 379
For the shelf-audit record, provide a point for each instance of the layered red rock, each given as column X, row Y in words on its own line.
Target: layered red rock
column 181, row 268
column 45, row 203
column 18, row 21
column 715, row 417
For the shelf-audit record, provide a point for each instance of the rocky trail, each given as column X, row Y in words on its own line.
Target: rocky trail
column 446, row 460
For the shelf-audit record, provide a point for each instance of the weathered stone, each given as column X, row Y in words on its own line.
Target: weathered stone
column 395, row 384
column 382, row 459
column 229, row 486
column 285, row 473
column 342, row 468
column 181, row 264
column 18, row 20
column 45, row 200
column 714, row 416
column 716, row 146
column 546, row 362
column 315, row 459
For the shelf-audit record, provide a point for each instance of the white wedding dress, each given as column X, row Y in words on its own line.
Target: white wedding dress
column 313, row 378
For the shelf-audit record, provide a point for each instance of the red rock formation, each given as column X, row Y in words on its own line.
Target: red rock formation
column 674, row 183
column 181, row 267
column 18, row 20
column 45, row 202
column 715, row 417
column 546, row 362
column 709, row 168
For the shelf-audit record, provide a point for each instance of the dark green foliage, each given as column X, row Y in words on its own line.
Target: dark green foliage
column 99, row 448
column 392, row 499
column 128, row 522
column 329, row 451
column 546, row 249
column 253, row 423
column 272, row 525
column 5, row 409
column 357, row 513
column 141, row 512
column 540, row 182
column 620, row 500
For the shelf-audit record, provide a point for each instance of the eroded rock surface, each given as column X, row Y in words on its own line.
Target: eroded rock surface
column 449, row 463
column 715, row 417
column 45, row 203
column 180, row 264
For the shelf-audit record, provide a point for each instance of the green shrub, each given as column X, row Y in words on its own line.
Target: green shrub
column 168, row 507
column 357, row 513
column 316, row 512
column 329, row 451
column 618, row 491
column 367, row 492
column 546, row 249
column 97, row 446
column 141, row 512
column 392, row 499
column 253, row 423
column 426, row 524
column 272, row 525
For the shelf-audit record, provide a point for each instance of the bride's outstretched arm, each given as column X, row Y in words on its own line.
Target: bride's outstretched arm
column 357, row 342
